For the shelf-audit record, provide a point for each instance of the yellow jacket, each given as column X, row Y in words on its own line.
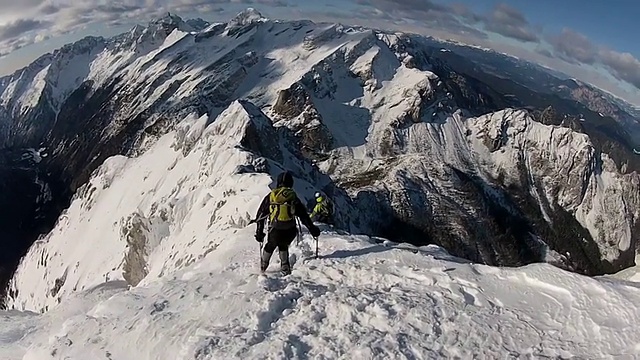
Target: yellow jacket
column 321, row 208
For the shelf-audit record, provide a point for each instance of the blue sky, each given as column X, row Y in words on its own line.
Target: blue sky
column 604, row 22
column 592, row 40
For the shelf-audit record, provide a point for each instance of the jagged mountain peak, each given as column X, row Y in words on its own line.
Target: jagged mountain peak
column 86, row 44
column 37, row 65
column 198, row 24
column 136, row 30
column 83, row 45
column 247, row 16
column 172, row 21
column 242, row 113
column 169, row 18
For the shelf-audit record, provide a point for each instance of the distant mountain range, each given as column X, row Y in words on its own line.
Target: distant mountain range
column 415, row 139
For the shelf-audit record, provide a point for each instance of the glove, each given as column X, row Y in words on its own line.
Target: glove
column 315, row 232
column 260, row 237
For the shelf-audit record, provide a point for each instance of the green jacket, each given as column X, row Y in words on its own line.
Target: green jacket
column 322, row 208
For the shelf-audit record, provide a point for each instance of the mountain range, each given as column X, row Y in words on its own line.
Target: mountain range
column 416, row 140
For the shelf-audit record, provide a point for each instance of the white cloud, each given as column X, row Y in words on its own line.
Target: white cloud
column 568, row 51
column 623, row 66
column 41, row 37
column 27, row 21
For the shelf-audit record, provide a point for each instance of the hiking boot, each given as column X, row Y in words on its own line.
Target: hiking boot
column 264, row 261
column 285, row 267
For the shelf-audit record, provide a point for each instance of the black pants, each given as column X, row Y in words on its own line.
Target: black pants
column 323, row 219
column 280, row 239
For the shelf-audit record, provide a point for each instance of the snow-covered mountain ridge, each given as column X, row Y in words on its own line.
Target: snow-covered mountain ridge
column 380, row 121
column 539, row 86
column 169, row 271
column 194, row 188
column 360, row 300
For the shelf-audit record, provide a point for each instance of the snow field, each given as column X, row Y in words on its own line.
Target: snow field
column 172, row 224
column 360, row 300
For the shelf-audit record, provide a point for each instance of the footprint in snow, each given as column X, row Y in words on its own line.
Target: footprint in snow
column 470, row 296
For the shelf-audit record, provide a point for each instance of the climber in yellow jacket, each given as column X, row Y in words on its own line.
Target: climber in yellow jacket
column 323, row 210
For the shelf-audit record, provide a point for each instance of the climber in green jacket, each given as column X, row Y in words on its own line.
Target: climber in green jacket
column 323, row 210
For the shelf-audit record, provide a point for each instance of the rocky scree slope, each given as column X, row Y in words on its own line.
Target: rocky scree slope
column 399, row 129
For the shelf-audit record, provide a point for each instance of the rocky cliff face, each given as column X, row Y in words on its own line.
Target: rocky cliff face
column 413, row 143
column 510, row 190
column 603, row 104
column 29, row 196
column 479, row 185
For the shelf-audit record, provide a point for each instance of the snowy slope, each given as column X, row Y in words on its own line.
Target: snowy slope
column 172, row 222
column 141, row 218
column 385, row 122
column 359, row 300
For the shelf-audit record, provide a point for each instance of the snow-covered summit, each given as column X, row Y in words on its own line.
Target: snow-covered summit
column 247, row 16
column 171, row 21
column 359, row 300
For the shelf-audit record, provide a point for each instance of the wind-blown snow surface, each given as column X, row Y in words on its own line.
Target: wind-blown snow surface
column 359, row 300
column 172, row 222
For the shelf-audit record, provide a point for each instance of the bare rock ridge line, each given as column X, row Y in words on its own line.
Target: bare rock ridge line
column 436, row 146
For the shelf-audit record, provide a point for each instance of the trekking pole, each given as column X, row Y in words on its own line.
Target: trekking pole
column 316, row 247
column 299, row 232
